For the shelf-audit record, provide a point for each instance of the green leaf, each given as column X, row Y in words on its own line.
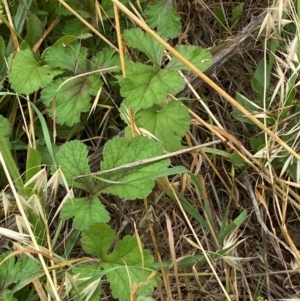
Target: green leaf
column 136, row 38
column 105, row 236
column 12, row 271
column 236, row 160
column 71, row 57
column 161, row 15
column 261, row 78
column 146, row 85
column 106, row 58
column 198, row 56
column 4, row 126
column 86, row 212
column 219, row 14
column 127, row 264
column 26, row 75
column 168, row 124
column 131, row 265
column 236, row 14
column 71, row 96
column 34, row 28
column 120, row 151
column 72, row 158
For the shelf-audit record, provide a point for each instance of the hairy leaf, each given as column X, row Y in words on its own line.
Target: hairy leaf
column 168, row 124
column 161, row 14
column 26, row 75
column 71, row 57
column 146, row 85
column 12, row 271
column 71, row 97
column 136, row 38
column 98, row 240
column 106, row 58
column 134, row 182
column 128, row 263
column 86, row 212
column 72, row 158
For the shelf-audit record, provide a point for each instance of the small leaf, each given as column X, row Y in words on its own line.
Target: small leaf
column 127, row 264
column 86, row 212
column 106, row 58
column 120, row 151
column 236, row 160
column 168, row 124
column 26, row 75
column 136, row 38
column 161, row 14
column 198, row 56
column 72, row 158
column 71, row 96
column 236, row 14
column 71, row 57
column 219, row 14
column 146, row 85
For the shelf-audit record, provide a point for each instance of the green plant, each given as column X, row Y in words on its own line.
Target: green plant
column 67, row 75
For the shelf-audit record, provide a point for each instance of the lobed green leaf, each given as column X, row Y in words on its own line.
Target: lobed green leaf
column 26, row 75
column 136, row 38
column 72, row 158
column 160, row 14
column 128, row 263
column 71, row 57
column 147, row 85
column 168, row 124
column 70, row 97
column 12, row 271
column 131, row 183
column 86, row 211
